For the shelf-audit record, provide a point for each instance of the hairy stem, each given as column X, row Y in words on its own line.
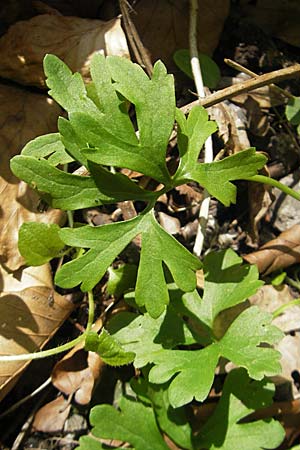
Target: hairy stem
column 60, row 348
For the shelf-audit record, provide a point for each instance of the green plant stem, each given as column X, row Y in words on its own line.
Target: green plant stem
column 282, row 308
column 275, row 183
column 60, row 348
column 91, row 312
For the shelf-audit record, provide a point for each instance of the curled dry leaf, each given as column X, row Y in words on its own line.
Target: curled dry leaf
column 72, row 39
column 164, row 21
column 31, row 312
column 278, row 253
column 77, row 373
column 51, row 417
column 23, row 116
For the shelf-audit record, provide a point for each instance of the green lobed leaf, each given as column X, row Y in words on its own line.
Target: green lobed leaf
column 134, row 423
column 154, row 101
column 117, row 186
column 158, row 247
column 192, row 134
column 39, row 242
column 109, row 149
column 227, row 283
column 172, row 421
column 108, row 348
column 240, row 397
column 241, row 344
column 216, row 176
column 67, row 89
column 107, row 241
column 115, row 116
column 72, row 141
column 68, row 191
column 148, row 336
column 48, row 145
column 210, row 71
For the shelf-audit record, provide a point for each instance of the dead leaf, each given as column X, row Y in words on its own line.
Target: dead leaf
column 51, row 417
column 279, row 253
column 277, row 18
column 169, row 223
column 23, row 116
column 289, row 347
column 72, row 39
column 31, row 313
column 260, row 199
column 162, row 21
column 77, row 373
column 232, row 124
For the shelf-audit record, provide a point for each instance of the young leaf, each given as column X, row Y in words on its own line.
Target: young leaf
column 134, row 423
column 108, row 348
column 68, row 90
column 39, row 242
column 241, row 396
column 216, row 176
column 48, row 145
column 241, row 344
column 227, row 283
column 71, row 141
column 107, row 241
column 210, row 71
column 171, row 421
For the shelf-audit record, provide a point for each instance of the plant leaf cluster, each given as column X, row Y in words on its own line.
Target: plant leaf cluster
column 178, row 341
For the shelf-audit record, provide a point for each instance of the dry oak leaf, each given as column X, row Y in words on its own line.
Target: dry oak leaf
column 162, row 21
column 72, row 39
column 31, row 313
column 51, row 417
column 77, row 373
column 278, row 253
column 23, row 116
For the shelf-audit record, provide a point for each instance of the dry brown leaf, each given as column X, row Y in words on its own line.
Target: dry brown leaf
column 276, row 17
column 51, row 417
column 169, row 223
column 31, row 313
column 279, row 253
column 260, row 200
column 77, row 373
column 163, row 22
column 23, row 116
column 72, row 39
column 232, row 124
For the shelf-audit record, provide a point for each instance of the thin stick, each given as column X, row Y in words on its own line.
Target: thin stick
column 243, row 69
column 137, row 46
column 208, row 146
column 245, row 86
